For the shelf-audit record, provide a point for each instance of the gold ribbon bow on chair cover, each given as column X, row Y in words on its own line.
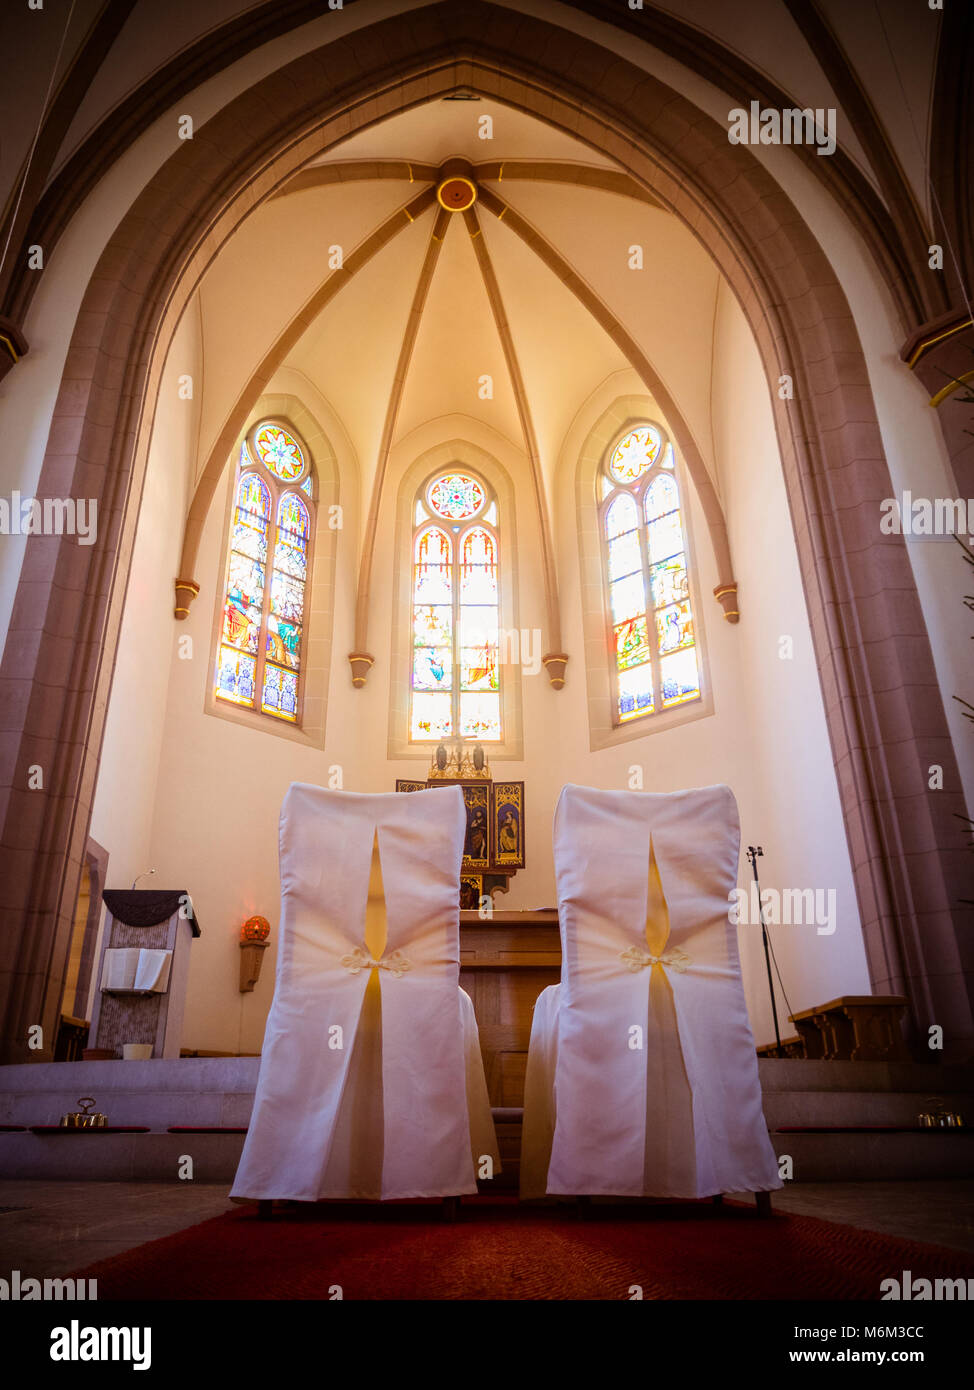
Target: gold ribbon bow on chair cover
column 358, row 960
column 637, row 959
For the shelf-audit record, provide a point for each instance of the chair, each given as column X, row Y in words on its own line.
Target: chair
column 371, row 1081
column 642, row 1076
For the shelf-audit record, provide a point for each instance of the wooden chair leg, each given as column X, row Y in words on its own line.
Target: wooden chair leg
column 450, row 1205
column 763, row 1200
column 265, row 1210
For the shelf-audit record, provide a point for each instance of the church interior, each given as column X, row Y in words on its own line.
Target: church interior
column 477, row 512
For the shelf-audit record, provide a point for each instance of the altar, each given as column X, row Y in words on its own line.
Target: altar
column 505, row 962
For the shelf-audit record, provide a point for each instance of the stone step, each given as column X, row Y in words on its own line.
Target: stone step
column 877, row 1157
column 160, row 1157
column 788, row 1074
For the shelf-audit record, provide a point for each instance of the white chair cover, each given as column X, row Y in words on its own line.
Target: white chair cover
column 642, row 1073
column 370, row 1056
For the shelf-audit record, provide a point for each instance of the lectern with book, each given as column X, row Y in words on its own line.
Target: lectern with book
column 143, row 971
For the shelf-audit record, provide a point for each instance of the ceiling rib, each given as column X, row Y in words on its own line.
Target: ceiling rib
column 361, row 654
column 527, row 427
column 358, row 171
column 580, row 175
column 216, row 460
column 604, row 316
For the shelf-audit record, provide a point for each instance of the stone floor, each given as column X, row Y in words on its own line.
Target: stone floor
column 48, row 1229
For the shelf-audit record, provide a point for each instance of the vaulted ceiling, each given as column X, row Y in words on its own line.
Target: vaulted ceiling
column 544, row 204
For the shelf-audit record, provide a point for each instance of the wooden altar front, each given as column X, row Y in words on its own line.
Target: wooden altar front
column 505, row 962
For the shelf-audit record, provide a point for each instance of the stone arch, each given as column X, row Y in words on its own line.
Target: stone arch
column 884, row 710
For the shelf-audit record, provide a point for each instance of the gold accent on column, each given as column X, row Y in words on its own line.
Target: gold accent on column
column 361, row 664
column 555, row 663
column 726, row 596
column 186, row 591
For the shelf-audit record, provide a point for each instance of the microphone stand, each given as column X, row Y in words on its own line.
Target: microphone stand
column 753, row 852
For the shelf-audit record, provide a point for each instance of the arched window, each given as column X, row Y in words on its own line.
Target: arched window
column 653, row 651
column 261, row 650
column 455, row 683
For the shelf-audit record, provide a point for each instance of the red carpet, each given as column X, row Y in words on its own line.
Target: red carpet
column 502, row 1251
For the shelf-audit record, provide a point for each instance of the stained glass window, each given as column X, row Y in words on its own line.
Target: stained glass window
column 279, row 451
column 260, row 657
column 455, row 682
column 653, row 637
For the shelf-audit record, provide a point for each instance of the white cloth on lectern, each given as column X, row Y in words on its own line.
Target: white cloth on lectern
column 152, row 971
column 318, row 1128
column 680, row 1115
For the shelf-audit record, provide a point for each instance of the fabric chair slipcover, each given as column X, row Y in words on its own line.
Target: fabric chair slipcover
column 371, row 1081
column 642, row 1076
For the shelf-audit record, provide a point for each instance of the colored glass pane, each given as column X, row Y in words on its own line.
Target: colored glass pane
column 674, row 627
column 491, row 514
column 245, row 583
column 308, row 486
column 628, row 598
column 624, row 555
column 665, row 537
column 291, row 555
column 480, row 717
column 253, row 496
column 669, row 581
column 632, row 643
column 634, row 454
column 280, row 695
column 279, row 452
column 432, row 668
column 622, row 515
column 456, row 496
column 478, row 667
column 680, row 677
column 249, row 535
column 292, row 516
column 241, row 625
column 661, row 497
column 432, row 625
column 283, row 642
column 635, row 692
column 431, row 584
column 667, row 461
column 605, row 486
column 287, row 597
column 235, row 677
column 431, row 718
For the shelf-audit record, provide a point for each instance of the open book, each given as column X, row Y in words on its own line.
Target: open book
column 129, row 967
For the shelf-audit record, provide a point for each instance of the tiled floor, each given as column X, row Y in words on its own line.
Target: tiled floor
column 48, row 1229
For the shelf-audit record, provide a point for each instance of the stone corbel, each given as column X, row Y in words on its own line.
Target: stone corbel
column 555, row 663
column 251, row 959
column 361, row 664
column 186, row 591
column 726, row 596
